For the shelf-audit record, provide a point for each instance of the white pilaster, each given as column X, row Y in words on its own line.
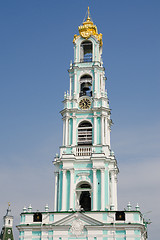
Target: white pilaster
column 102, row 129
column 70, row 89
column 112, row 189
column 94, row 190
column 96, row 83
column 75, row 84
column 108, row 133
column 95, row 129
column 105, row 132
column 102, row 190
column 63, row 132
column 115, row 191
column 94, row 53
column 64, row 192
column 66, row 130
column 55, row 191
column 74, row 131
column 71, row 188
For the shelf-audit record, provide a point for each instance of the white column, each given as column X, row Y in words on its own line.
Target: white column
column 102, row 190
column 75, row 84
column 95, row 83
column 112, row 189
column 55, row 191
column 71, row 188
column 102, row 129
column 74, row 131
column 66, row 131
column 115, row 191
column 64, row 188
column 103, row 79
column 70, row 89
column 94, row 190
column 95, row 129
column 108, row 133
column 75, row 53
column 63, row 132
column 105, row 130
column 94, row 53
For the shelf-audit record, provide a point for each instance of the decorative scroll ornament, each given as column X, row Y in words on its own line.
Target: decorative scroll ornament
column 88, row 29
column 77, row 227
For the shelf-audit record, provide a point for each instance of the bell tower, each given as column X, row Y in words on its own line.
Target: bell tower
column 7, row 229
column 85, row 199
column 86, row 169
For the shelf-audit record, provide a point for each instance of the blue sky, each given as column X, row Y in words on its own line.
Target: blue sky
column 35, row 51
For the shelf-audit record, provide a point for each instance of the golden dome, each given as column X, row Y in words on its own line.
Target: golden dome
column 88, row 29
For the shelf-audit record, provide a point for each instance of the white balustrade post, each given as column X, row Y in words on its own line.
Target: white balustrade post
column 64, row 186
column 56, row 191
column 71, row 188
column 94, row 190
column 102, row 190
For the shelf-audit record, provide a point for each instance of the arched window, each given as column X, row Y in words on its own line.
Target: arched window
column 86, row 85
column 85, row 133
column 86, row 51
column 84, row 196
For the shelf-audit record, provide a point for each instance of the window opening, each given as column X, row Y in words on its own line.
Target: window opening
column 86, row 51
column 37, row 217
column 85, row 133
column 84, row 196
column 86, row 86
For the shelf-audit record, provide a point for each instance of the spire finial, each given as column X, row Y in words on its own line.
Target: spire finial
column 88, row 13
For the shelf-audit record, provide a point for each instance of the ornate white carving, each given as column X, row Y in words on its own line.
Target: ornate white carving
column 77, row 227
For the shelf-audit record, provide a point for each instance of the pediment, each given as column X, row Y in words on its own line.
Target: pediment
column 77, row 216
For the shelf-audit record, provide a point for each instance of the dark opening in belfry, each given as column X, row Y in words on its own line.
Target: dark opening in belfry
column 86, row 51
column 86, row 85
column 85, row 197
column 85, row 133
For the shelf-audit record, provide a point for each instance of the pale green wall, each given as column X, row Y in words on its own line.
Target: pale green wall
column 98, row 130
column 70, row 131
column 60, row 192
column 106, row 188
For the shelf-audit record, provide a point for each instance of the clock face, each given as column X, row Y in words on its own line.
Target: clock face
column 85, row 103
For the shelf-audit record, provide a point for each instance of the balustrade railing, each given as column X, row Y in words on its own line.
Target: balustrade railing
column 83, row 151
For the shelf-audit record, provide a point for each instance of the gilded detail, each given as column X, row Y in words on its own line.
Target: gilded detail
column 88, row 29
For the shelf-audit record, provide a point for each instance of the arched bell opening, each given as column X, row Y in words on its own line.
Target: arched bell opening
column 86, row 51
column 85, row 133
column 86, row 85
column 83, row 192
